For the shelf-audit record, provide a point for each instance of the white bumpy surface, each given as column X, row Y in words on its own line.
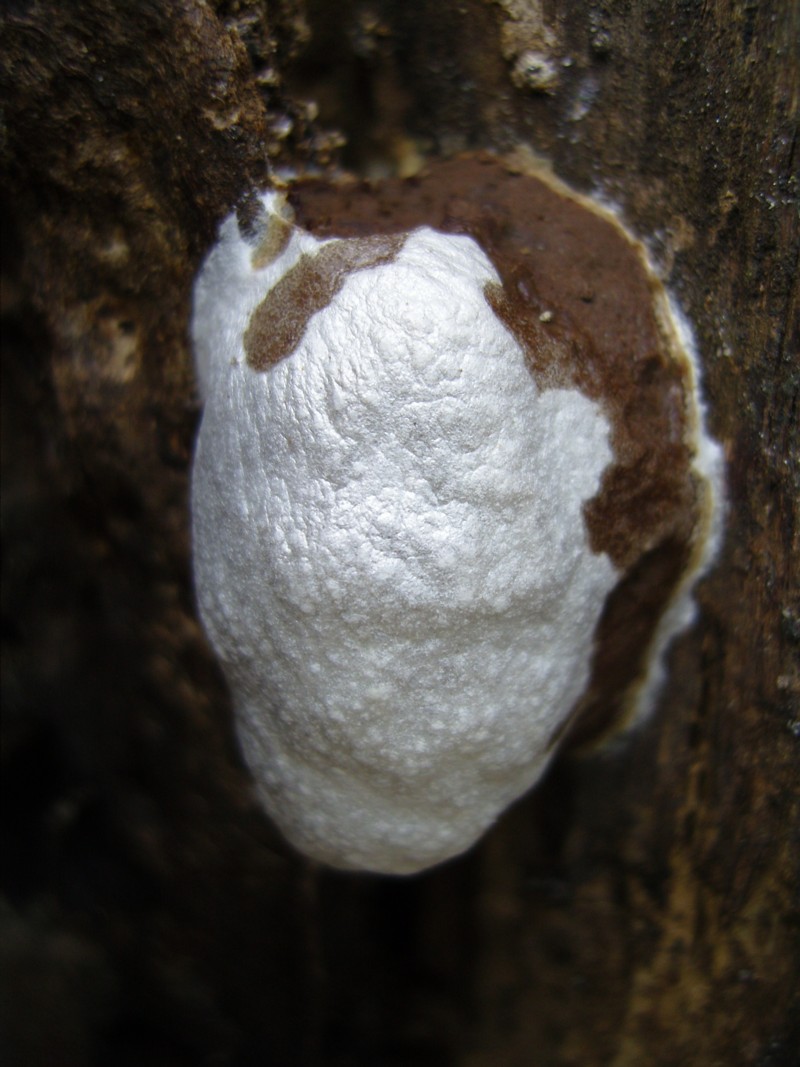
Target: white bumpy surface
column 390, row 553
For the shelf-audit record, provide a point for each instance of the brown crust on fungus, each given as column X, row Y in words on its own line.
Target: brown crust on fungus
column 279, row 321
column 580, row 299
column 272, row 243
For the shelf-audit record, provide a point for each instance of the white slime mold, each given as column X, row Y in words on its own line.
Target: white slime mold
column 390, row 551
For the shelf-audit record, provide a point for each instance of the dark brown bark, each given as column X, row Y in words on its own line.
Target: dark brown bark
column 642, row 906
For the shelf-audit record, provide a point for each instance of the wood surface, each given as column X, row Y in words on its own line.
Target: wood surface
column 641, row 908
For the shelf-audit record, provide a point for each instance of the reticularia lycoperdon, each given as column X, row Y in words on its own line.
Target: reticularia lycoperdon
column 406, row 552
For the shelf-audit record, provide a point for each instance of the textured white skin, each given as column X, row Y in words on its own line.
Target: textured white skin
column 390, row 554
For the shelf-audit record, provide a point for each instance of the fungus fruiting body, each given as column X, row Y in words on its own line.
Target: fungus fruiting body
column 397, row 491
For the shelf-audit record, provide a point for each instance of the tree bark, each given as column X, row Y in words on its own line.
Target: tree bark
column 641, row 907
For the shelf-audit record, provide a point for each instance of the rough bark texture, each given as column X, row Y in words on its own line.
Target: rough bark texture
column 642, row 906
